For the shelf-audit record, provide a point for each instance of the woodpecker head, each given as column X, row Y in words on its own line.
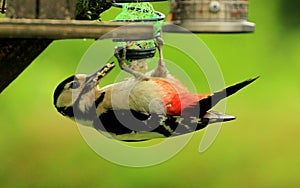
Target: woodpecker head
column 78, row 88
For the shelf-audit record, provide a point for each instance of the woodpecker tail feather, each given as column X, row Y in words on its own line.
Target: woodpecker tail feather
column 214, row 116
column 206, row 103
column 210, row 101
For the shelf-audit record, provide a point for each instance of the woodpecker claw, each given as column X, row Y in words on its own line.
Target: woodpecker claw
column 161, row 70
column 122, row 60
column 159, row 42
column 117, row 51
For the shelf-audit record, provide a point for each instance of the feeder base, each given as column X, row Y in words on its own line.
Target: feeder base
column 211, row 27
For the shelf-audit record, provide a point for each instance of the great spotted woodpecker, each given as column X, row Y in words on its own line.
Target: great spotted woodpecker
column 140, row 108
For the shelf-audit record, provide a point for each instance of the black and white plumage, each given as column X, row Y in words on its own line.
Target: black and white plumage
column 144, row 107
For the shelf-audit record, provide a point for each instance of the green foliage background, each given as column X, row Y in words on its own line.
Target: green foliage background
column 40, row 148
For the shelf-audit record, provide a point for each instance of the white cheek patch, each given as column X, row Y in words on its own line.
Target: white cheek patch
column 65, row 99
column 87, row 101
column 82, row 104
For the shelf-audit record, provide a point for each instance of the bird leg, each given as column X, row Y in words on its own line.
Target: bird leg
column 122, row 63
column 161, row 69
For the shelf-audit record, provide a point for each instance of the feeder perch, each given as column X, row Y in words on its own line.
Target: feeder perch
column 208, row 16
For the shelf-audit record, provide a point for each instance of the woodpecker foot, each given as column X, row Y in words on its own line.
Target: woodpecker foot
column 159, row 42
column 123, row 64
column 161, row 70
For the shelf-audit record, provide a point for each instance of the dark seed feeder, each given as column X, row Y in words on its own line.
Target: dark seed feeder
column 211, row 16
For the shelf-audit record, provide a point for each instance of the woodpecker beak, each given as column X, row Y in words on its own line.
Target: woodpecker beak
column 93, row 79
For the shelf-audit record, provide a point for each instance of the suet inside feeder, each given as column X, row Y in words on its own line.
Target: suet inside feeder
column 210, row 16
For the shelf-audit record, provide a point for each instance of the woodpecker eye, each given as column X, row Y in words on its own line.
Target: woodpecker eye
column 74, row 85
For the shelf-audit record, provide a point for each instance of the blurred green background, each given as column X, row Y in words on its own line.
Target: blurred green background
column 41, row 148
